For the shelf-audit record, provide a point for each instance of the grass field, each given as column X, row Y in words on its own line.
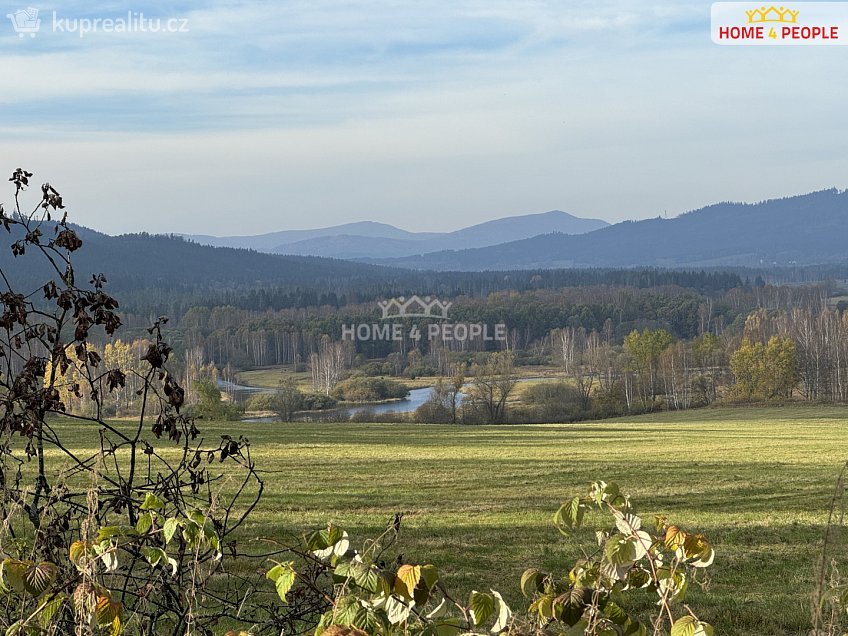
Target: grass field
column 478, row 500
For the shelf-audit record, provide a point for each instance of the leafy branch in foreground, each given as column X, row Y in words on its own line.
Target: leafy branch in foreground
column 126, row 537
column 625, row 561
column 372, row 596
column 368, row 595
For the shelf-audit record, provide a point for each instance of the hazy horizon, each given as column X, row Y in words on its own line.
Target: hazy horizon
column 666, row 214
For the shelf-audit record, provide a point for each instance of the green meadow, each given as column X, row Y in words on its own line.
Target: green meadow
column 477, row 500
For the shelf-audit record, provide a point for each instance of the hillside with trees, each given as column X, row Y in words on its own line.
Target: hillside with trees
column 806, row 229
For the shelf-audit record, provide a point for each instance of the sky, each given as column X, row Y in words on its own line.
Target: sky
column 251, row 117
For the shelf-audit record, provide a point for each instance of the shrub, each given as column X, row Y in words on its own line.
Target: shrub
column 372, row 369
column 210, row 404
column 433, row 411
column 259, row 402
column 551, row 402
column 419, row 370
column 318, row 402
column 287, row 400
column 362, row 389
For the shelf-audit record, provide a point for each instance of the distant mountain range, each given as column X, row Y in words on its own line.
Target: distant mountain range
column 801, row 230
column 811, row 229
column 367, row 239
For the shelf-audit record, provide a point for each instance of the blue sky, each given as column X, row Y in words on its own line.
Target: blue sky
column 427, row 115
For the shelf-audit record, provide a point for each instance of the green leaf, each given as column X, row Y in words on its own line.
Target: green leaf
column 396, row 610
column 481, row 606
column 192, row 533
column 144, row 523
column 570, row 514
column 197, row 517
column 283, row 576
column 19, row 628
column 78, row 551
column 157, row 556
column 674, row 538
column 429, row 575
column 107, row 611
column 43, row 615
column 532, row 581
column 615, row 613
column 30, row 577
column 585, row 573
column 621, row 550
column 328, row 544
column 322, row 539
column 638, row 578
column 49, row 609
column 366, row 576
column 372, row 622
column 346, row 610
column 635, row 628
column 152, row 502
column 153, row 555
column 684, row 626
column 169, row 529
column 324, row 622
column 602, row 491
column 110, row 558
column 343, row 571
column 673, row 584
column 543, row 606
column 627, row 523
column 569, row 606
column 504, row 614
column 449, row 627
column 578, row 629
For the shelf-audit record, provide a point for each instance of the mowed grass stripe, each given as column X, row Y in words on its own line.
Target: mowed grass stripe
column 478, row 500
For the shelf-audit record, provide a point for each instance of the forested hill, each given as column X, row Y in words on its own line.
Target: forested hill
column 802, row 230
column 167, row 274
column 138, row 261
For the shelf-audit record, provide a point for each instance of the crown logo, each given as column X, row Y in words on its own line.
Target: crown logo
column 414, row 307
column 772, row 14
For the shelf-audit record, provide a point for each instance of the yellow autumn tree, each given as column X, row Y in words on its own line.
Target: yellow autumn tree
column 765, row 371
column 69, row 384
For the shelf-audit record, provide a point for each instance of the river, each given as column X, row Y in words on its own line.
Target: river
column 413, row 399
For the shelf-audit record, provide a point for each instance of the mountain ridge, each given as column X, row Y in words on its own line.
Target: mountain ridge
column 803, row 229
column 362, row 238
